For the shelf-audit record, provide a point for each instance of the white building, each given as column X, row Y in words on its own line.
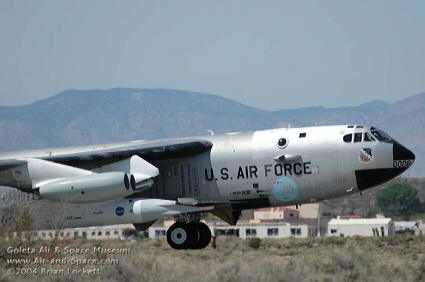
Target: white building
column 276, row 213
column 261, row 230
column 124, row 231
column 361, row 227
column 121, row 231
column 411, row 227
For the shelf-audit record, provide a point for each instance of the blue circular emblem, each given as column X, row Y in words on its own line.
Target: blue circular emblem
column 285, row 189
column 119, row 211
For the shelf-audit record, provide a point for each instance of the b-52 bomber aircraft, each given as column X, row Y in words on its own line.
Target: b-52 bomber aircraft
column 143, row 181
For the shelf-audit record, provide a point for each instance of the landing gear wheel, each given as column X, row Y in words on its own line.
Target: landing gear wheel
column 205, row 236
column 194, row 227
column 180, row 236
column 202, row 235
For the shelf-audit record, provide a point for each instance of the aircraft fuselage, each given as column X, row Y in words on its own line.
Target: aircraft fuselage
column 314, row 164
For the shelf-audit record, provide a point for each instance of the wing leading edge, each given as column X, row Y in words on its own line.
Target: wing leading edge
column 149, row 151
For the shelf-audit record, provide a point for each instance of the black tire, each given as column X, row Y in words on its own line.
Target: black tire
column 180, row 236
column 202, row 235
column 194, row 226
column 205, row 236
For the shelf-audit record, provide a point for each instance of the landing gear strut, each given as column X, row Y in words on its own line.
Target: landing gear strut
column 192, row 235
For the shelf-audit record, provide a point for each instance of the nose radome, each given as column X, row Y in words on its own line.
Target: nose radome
column 401, row 153
column 403, row 159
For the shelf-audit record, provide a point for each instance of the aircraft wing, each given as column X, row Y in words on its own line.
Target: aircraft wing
column 8, row 164
column 148, row 150
column 68, row 175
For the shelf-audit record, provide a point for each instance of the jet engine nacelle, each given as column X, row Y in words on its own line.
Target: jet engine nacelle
column 88, row 188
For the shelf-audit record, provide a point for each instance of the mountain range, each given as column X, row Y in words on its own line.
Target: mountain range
column 81, row 117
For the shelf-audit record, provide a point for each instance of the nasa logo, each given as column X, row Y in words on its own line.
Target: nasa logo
column 119, row 211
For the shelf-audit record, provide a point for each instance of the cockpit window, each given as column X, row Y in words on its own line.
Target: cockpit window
column 357, row 137
column 347, row 138
column 367, row 137
column 380, row 135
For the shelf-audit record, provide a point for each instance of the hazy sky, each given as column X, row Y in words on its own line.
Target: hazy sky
column 267, row 54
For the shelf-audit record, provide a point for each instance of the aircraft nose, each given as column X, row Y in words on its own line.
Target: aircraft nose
column 403, row 158
column 401, row 153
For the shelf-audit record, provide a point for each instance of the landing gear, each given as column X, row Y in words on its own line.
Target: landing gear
column 203, row 237
column 179, row 236
column 193, row 235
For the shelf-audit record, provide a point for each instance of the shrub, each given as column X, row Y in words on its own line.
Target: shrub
column 255, row 243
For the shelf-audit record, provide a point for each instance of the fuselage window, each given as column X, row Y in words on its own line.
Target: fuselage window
column 282, row 143
column 357, row 137
column 303, row 135
column 348, row 137
column 367, row 137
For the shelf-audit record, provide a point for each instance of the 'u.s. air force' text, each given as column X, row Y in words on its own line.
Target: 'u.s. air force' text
column 252, row 171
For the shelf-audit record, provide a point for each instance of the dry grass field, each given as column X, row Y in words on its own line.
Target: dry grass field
column 398, row 258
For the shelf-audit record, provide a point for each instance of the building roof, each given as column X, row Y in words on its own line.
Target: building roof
column 405, row 224
column 350, row 216
column 105, row 227
column 275, row 209
column 357, row 221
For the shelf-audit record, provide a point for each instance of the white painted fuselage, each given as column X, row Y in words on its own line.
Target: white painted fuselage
column 278, row 167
